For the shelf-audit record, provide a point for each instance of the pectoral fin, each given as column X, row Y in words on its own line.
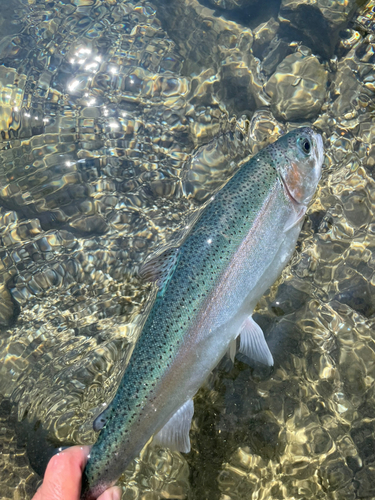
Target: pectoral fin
column 161, row 267
column 232, row 349
column 175, row 433
column 295, row 218
column 253, row 343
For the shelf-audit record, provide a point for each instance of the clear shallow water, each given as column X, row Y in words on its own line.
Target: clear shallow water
column 118, row 120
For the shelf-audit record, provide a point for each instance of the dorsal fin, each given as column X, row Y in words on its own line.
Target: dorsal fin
column 160, row 268
column 175, row 433
column 161, row 265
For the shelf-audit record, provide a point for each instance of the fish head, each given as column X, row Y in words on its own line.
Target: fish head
column 300, row 163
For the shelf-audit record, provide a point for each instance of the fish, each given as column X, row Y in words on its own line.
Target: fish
column 208, row 287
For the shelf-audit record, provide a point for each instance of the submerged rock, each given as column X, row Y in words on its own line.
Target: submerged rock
column 278, row 49
column 366, row 20
column 335, row 474
column 366, row 482
column 318, row 21
column 353, row 85
column 263, row 35
column 298, row 87
column 239, row 74
column 232, row 4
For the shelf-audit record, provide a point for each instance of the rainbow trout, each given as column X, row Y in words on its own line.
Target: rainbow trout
column 208, row 288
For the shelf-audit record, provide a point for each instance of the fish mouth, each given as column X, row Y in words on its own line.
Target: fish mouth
column 320, row 146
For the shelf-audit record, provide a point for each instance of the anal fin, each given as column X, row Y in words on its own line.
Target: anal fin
column 253, row 344
column 175, row 433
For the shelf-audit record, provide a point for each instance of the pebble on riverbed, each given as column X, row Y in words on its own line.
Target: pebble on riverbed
column 298, row 87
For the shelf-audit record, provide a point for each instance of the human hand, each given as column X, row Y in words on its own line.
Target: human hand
column 63, row 477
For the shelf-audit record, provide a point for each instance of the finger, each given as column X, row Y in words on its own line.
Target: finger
column 62, row 480
column 113, row 493
column 38, row 494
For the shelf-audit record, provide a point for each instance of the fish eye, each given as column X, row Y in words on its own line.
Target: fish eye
column 305, row 145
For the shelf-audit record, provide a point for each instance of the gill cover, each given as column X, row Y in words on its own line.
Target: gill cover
column 301, row 167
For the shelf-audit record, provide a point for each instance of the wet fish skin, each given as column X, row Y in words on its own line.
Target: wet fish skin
column 235, row 251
